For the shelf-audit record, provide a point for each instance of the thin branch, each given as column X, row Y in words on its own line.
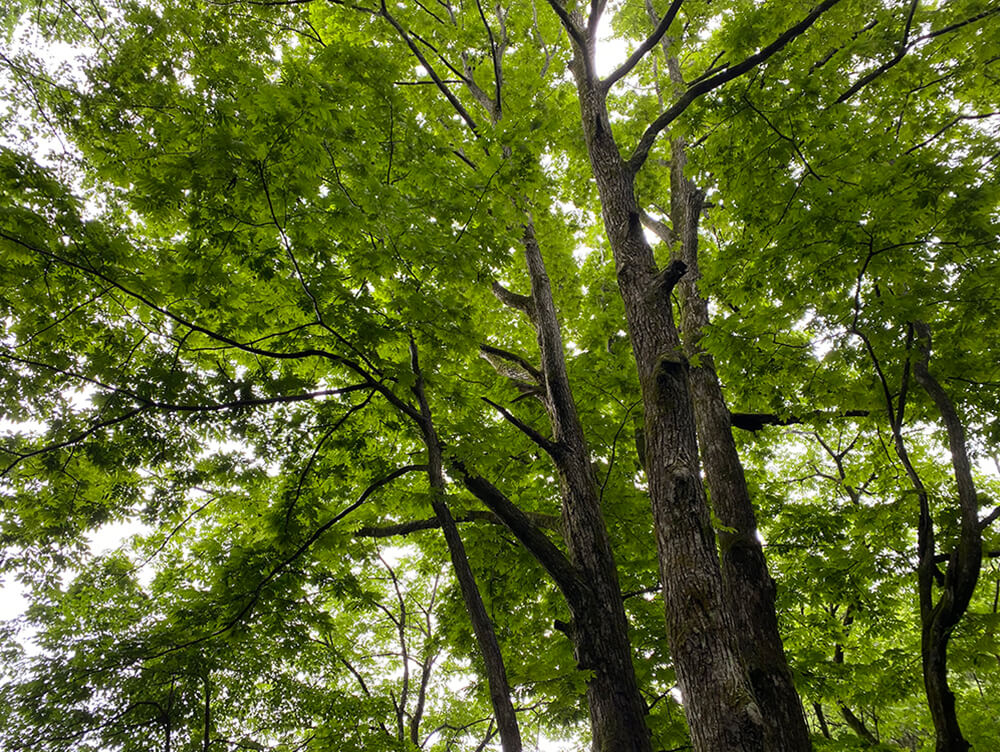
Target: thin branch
column 900, row 53
column 551, row 447
column 650, row 42
column 783, row 137
column 614, row 446
column 288, row 561
column 496, row 54
column 958, row 119
column 215, row 335
column 756, row 421
column 704, row 86
column 301, row 278
column 906, row 47
column 315, row 452
column 542, row 521
column 441, row 85
column 99, row 426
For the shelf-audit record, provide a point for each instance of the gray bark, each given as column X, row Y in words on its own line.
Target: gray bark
column 718, row 701
column 748, row 589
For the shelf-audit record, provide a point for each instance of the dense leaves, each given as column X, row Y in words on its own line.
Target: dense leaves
column 237, row 241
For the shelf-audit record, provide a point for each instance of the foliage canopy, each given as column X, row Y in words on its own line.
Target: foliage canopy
column 248, row 258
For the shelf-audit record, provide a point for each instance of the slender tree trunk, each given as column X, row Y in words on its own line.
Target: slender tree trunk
column 718, row 701
column 821, row 719
column 938, row 619
column 482, row 625
column 599, row 630
column 962, row 573
column 748, row 588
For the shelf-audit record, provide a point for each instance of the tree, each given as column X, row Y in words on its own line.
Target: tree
column 330, row 249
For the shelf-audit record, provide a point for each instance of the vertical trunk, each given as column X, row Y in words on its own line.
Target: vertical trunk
column 482, row 625
column 599, row 630
column 940, row 698
column 718, row 701
column 962, row 573
column 748, row 588
column 939, row 619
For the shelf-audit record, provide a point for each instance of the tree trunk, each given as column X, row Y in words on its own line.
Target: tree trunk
column 719, row 704
column 748, row 589
column 938, row 620
column 599, row 630
column 962, row 573
column 482, row 625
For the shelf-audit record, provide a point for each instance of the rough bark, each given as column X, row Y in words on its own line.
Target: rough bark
column 748, row 588
column 718, row 702
column 482, row 625
column 599, row 630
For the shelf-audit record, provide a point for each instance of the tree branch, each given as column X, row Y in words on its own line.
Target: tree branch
column 757, row 421
column 649, row 43
column 510, row 364
column 552, row 559
column 287, row 561
column 900, row 53
column 438, row 81
column 704, row 86
column 522, row 303
column 542, row 521
column 216, row 335
column 575, row 32
column 657, row 227
column 551, row 448
column 906, row 45
column 989, row 519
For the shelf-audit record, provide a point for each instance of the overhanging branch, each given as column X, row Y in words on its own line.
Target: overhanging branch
column 542, row 521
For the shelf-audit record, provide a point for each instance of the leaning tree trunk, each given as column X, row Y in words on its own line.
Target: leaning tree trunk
column 748, row 588
column 718, row 701
column 599, row 629
column 482, row 625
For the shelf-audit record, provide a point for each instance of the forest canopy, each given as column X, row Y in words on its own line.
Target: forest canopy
column 529, row 375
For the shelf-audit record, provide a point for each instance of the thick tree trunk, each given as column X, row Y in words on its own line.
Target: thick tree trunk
column 748, row 588
column 719, row 704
